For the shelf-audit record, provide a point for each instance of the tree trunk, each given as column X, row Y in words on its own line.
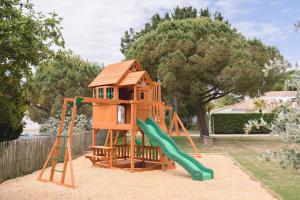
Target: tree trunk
column 201, row 121
column 175, row 104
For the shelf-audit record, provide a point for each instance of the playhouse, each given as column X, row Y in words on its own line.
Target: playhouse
column 128, row 108
column 135, row 96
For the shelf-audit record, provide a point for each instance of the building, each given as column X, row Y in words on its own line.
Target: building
column 271, row 98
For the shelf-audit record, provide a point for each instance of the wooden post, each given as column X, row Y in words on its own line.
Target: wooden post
column 71, row 164
column 94, row 135
column 106, row 140
column 116, row 93
column 162, row 114
column 132, row 132
column 111, row 138
column 68, row 156
column 111, row 145
column 159, row 92
column 55, row 150
column 104, row 92
column 117, row 137
column 133, row 115
column 188, row 136
column 143, row 146
column 124, row 137
column 135, row 93
column 172, row 126
column 176, row 123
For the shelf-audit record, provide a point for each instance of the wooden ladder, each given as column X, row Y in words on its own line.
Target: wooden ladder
column 59, row 148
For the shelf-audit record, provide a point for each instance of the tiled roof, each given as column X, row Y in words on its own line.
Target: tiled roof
column 221, row 109
column 132, row 78
column 246, row 105
column 112, row 74
column 280, row 94
column 271, row 100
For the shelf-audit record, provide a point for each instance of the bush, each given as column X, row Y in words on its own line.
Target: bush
column 234, row 123
column 50, row 127
column 11, row 113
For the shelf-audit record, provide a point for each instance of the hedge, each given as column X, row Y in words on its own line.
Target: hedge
column 234, row 123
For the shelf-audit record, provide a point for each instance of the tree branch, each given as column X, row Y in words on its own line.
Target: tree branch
column 211, row 94
column 208, row 91
column 40, row 107
column 214, row 97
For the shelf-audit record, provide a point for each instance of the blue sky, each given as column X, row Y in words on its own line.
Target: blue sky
column 93, row 28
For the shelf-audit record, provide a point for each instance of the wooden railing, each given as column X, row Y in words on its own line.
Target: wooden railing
column 156, row 112
column 156, row 92
column 123, row 151
column 150, row 153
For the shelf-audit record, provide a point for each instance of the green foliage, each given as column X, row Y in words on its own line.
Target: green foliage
column 27, row 38
column 287, row 157
column 184, row 13
column 64, row 76
column 283, row 83
column 259, row 104
column 233, row 123
column 201, row 59
column 130, row 36
column 11, row 113
column 286, row 125
column 127, row 40
column 50, row 126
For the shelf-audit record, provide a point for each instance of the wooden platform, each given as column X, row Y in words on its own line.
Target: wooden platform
column 125, row 163
column 138, row 164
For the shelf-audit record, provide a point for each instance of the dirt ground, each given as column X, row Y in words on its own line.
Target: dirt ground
column 230, row 183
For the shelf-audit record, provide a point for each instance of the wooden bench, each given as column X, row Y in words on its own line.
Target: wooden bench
column 102, row 155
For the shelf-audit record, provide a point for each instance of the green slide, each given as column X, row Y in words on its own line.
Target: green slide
column 170, row 149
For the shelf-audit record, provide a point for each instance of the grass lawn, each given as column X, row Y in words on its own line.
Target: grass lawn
column 286, row 183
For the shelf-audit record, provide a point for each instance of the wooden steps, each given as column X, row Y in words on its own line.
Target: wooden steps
column 103, row 156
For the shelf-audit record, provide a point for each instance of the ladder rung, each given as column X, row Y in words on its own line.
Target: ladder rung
column 59, row 159
column 61, row 147
column 62, row 136
column 58, row 170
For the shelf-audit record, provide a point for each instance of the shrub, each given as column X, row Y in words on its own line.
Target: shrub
column 234, row 123
column 50, row 127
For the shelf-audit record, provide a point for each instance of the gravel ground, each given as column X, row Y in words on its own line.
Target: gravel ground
column 230, row 183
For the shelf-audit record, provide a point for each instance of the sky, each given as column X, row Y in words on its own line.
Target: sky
column 93, row 28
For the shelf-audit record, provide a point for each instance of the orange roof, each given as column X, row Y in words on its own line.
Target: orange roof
column 112, row 73
column 280, row 94
column 246, row 105
column 133, row 78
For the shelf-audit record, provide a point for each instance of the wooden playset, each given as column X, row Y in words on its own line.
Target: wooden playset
column 122, row 93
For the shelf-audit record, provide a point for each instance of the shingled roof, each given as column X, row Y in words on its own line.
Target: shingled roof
column 280, row 94
column 133, row 78
column 114, row 73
